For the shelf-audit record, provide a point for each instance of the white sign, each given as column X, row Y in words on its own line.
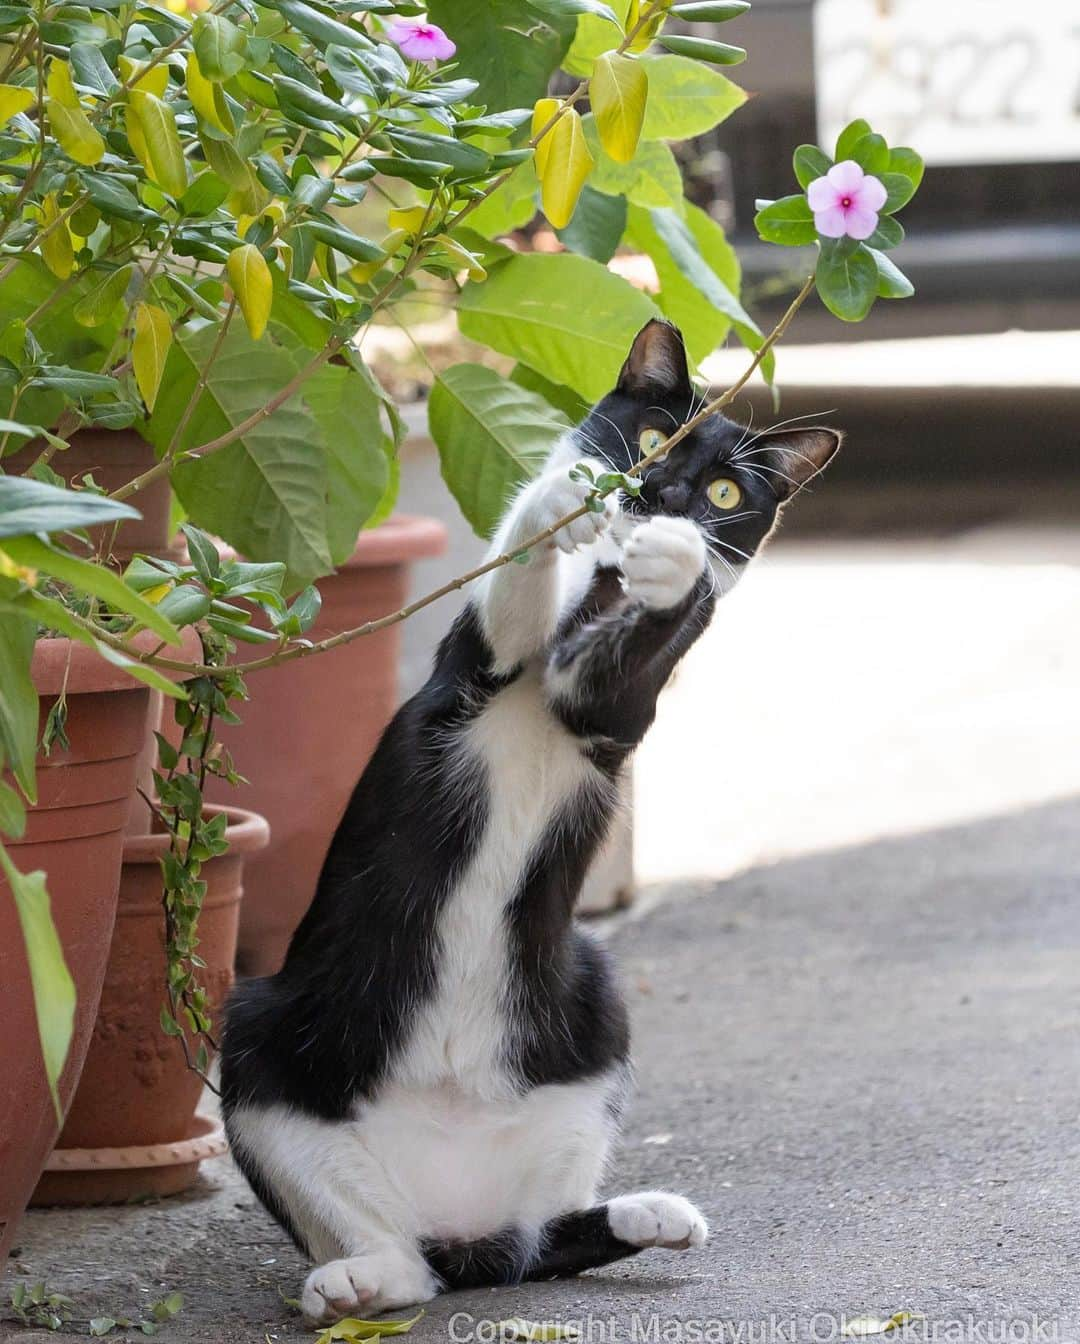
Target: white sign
column 962, row 81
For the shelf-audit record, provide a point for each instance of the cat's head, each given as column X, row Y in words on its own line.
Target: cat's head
column 730, row 479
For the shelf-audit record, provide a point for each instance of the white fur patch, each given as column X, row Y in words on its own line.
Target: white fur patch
column 532, row 765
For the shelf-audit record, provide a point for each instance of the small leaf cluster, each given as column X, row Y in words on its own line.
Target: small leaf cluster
column 36, row 1306
column 850, row 274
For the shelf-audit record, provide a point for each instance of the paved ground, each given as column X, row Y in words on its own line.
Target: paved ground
column 865, row 1065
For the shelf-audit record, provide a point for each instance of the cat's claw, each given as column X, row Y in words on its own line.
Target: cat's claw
column 375, row 1282
column 557, row 495
column 654, row 1218
column 662, row 560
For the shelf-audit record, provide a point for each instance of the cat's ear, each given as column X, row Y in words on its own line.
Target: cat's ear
column 656, row 362
column 795, row 456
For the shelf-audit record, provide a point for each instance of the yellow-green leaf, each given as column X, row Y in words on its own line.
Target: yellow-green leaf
column 207, row 98
column 253, row 285
column 56, row 249
column 469, row 260
column 69, row 122
column 54, row 989
column 150, row 349
column 544, row 110
column 13, row 100
column 619, row 91
column 164, row 155
column 567, row 166
column 154, row 79
column 59, row 84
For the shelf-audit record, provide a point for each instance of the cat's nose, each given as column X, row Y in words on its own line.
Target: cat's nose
column 674, row 498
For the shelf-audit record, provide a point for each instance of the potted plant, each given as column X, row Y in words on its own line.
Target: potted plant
column 200, row 216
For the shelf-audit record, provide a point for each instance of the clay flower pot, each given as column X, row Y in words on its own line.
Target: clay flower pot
column 132, row 1130
column 309, row 729
column 75, row 833
column 113, row 457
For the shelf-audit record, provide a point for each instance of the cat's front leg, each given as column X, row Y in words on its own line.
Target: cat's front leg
column 521, row 605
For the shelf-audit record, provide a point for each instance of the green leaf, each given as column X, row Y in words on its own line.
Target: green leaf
column 810, row 163
column 686, row 98
column 75, row 383
column 709, row 11
column 703, row 49
column 91, row 70
column 597, row 226
column 662, row 235
column 509, row 208
column 219, row 46
column 143, row 672
column 203, row 552
column 618, row 92
column 492, row 435
column 266, row 493
column 33, row 506
column 652, row 177
column 102, row 1325
column 204, row 195
column 12, row 812
column 561, row 397
column 53, row 987
column 888, row 234
column 788, row 221
column 892, row 282
column 18, row 699
column 323, row 31
column 906, row 161
column 90, row 578
column 565, row 316
column 561, row 7
column 849, row 137
column 847, row 280
column 508, row 48
column 871, row 153
column 185, row 604
column 900, row 189
column 101, row 302
column 440, row 149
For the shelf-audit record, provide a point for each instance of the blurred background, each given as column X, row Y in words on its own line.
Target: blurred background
column 907, row 653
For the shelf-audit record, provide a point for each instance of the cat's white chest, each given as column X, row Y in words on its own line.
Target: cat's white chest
column 531, row 766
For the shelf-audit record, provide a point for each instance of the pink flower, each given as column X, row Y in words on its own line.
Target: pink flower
column 846, row 201
column 421, row 41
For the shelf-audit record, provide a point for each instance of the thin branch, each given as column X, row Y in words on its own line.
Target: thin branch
column 453, row 585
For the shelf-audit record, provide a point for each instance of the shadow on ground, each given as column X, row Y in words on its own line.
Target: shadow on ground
column 864, row 1065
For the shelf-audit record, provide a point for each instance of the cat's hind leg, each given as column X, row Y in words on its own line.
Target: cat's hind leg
column 571, row 1243
column 336, row 1200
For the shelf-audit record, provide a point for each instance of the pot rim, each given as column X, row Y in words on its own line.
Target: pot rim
column 207, row 1141
column 247, row 832
column 89, row 672
column 402, row 537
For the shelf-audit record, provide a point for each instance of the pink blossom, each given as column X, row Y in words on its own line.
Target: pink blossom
column 421, row 41
column 846, row 201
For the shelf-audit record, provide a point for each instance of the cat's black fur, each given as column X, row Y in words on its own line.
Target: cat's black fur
column 323, row 1034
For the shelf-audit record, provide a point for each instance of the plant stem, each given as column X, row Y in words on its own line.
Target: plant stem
column 453, row 585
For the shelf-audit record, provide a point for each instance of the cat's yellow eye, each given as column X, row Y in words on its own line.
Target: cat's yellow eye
column 724, row 494
column 648, row 442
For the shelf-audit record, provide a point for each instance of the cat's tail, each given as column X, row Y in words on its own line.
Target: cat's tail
column 565, row 1246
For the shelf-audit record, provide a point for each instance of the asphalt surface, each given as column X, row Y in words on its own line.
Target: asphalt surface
column 863, row 1065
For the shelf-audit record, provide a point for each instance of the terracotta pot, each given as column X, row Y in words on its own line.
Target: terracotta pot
column 75, row 833
column 309, row 729
column 136, row 1092
column 114, row 457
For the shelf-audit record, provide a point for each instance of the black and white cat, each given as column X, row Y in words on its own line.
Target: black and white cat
column 426, row 1095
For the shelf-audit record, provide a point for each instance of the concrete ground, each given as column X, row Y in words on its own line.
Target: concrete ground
column 864, row 1065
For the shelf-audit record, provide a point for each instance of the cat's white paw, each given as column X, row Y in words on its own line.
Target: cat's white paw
column 653, row 1218
column 662, row 560
column 556, row 495
column 378, row 1281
